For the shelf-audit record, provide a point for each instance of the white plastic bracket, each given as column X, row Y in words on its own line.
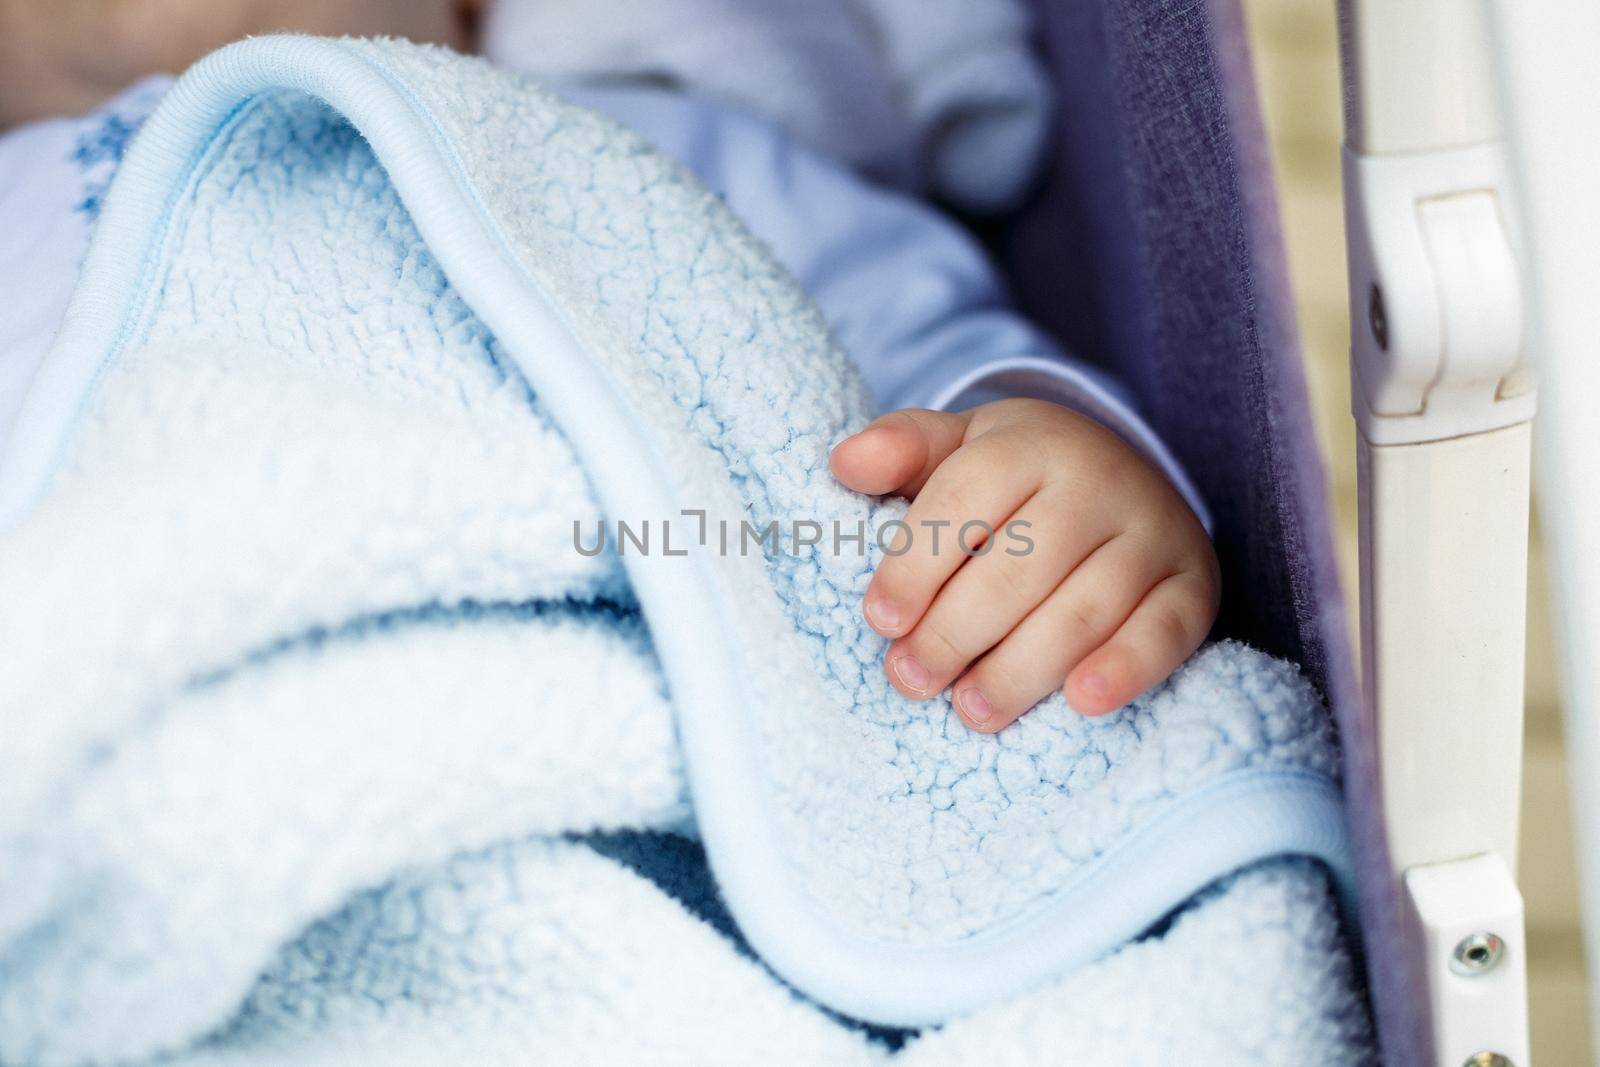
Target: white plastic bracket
column 1437, row 307
column 1466, row 917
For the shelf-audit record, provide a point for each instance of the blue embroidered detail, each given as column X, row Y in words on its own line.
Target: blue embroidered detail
column 100, row 147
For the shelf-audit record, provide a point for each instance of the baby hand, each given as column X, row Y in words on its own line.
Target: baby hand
column 1119, row 587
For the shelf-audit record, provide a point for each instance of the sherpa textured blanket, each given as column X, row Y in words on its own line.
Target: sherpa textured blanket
column 323, row 742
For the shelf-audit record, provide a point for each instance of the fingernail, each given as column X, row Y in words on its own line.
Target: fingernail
column 882, row 613
column 913, row 675
column 974, row 705
column 1090, row 687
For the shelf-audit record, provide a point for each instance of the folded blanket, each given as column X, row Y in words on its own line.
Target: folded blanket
column 328, row 737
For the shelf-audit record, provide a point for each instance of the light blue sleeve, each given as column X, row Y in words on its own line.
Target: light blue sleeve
column 907, row 292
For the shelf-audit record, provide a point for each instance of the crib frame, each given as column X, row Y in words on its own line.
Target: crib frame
column 1472, row 251
column 1551, row 94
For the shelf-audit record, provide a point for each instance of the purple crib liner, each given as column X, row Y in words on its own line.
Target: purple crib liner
column 1153, row 248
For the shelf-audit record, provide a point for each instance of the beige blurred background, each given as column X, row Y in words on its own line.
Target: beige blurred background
column 1295, row 47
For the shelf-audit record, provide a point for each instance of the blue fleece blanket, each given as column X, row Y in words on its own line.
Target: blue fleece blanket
column 317, row 693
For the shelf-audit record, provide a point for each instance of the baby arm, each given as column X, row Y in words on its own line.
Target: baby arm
column 1117, row 586
column 1121, row 584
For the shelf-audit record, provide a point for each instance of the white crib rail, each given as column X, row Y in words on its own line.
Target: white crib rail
column 1443, row 400
column 1551, row 97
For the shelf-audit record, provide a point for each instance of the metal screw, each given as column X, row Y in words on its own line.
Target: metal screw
column 1477, row 953
column 1377, row 319
column 1487, row 1059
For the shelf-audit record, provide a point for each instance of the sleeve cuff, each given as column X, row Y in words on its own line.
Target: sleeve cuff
column 1081, row 389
